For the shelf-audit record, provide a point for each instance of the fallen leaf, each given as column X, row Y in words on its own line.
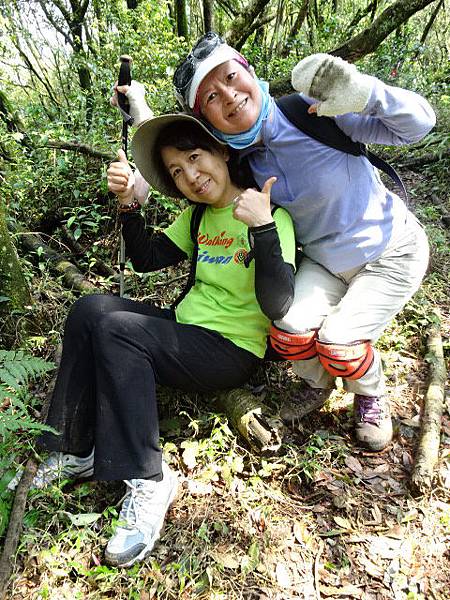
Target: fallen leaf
column 199, row 488
column 189, row 455
column 342, row 522
column 300, row 532
column 346, row 590
column 414, row 422
column 353, row 464
column 397, row 532
column 371, row 568
column 376, row 513
column 385, row 547
column 226, row 560
column 83, row 519
column 282, row 575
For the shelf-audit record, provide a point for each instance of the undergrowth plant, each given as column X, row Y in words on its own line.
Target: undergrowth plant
column 17, row 370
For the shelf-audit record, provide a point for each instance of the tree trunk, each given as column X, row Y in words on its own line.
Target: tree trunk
column 254, row 421
column 208, row 15
column 390, row 19
column 72, row 277
column 360, row 14
column 295, row 29
column 243, row 25
column 368, row 40
column 429, row 25
column 14, row 291
column 12, row 122
column 182, row 22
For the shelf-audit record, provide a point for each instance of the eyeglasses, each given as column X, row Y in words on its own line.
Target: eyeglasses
column 185, row 71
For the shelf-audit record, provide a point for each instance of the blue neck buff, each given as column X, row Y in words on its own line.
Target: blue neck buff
column 246, row 138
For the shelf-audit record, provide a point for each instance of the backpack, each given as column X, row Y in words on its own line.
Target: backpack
column 326, row 131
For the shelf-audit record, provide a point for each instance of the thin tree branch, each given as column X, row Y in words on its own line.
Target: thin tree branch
column 54, row 22
column 241, row 27
column 78, row 147
column 368, row 40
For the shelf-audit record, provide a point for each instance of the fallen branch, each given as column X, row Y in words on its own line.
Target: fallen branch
column 426, row 159
column 81, row 148
column 16, row 518
column 99, row 265
column 428, row 450
column 170, row 281
column 15, row 525
column 254, row 421
column 72, row 277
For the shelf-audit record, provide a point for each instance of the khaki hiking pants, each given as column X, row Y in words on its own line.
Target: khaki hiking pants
column 356, row 304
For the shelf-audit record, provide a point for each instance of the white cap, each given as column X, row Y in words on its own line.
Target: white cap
column 221, row 54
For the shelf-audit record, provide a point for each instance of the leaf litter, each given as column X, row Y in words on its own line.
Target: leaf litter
column 323, row 519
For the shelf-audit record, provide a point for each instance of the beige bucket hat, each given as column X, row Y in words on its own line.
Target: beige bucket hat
column 148, row 161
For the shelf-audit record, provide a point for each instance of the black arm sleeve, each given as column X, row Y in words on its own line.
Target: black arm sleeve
column 274, row 278
column 148, row 252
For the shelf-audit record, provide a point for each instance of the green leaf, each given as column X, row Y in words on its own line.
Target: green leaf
column 83, row 519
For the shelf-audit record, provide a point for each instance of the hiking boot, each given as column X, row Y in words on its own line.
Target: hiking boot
column 310, row 399
column 58, row 466
column 373, row 424
column 141, row 518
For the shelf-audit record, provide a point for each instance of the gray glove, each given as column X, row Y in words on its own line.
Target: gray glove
column 338, row 85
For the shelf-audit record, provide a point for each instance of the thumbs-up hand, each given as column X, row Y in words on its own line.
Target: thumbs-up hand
column 253, row 207
column 121, row 179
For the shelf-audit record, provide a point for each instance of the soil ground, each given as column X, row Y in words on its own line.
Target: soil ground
column 321, row 519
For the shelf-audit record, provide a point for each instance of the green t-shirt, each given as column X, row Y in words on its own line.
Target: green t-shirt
column 223, row 296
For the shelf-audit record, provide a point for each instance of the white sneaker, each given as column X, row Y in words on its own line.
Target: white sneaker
column 141, row 518
column 58, row 466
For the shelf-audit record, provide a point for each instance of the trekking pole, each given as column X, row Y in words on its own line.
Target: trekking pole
column 124, row 79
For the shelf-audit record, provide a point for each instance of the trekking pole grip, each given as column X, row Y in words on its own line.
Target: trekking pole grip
column 124, row 79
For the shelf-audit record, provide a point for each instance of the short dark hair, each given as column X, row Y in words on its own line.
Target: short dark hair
column 182, row 136
column 189, row 136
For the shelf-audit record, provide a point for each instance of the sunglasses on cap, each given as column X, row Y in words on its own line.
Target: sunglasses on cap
column 185, row 71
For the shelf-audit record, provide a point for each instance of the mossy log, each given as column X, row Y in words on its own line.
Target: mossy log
column 260, row 429
column 428, row 449
column 12, row 282
column 72, row 277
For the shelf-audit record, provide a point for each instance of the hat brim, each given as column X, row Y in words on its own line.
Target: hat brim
column 147, row 160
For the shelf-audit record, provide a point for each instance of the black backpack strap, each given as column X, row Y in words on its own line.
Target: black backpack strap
column 196, row 218
column 251, row 255
column 322, row 129
column 326, row 131
column 381, row 164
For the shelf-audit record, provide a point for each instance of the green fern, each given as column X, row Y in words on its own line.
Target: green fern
column 17, row 370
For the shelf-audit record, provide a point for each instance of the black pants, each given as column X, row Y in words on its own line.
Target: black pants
column 114, row 352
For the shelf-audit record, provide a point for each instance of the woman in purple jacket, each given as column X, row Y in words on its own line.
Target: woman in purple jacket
column 365, row 253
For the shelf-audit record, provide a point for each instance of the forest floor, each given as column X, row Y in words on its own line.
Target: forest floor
column 321, row 519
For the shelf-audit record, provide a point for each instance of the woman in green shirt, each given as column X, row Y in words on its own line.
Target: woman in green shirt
column 116, row 350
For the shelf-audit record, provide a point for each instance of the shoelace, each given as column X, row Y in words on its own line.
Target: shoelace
column 369, row 410
column 135, row 500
